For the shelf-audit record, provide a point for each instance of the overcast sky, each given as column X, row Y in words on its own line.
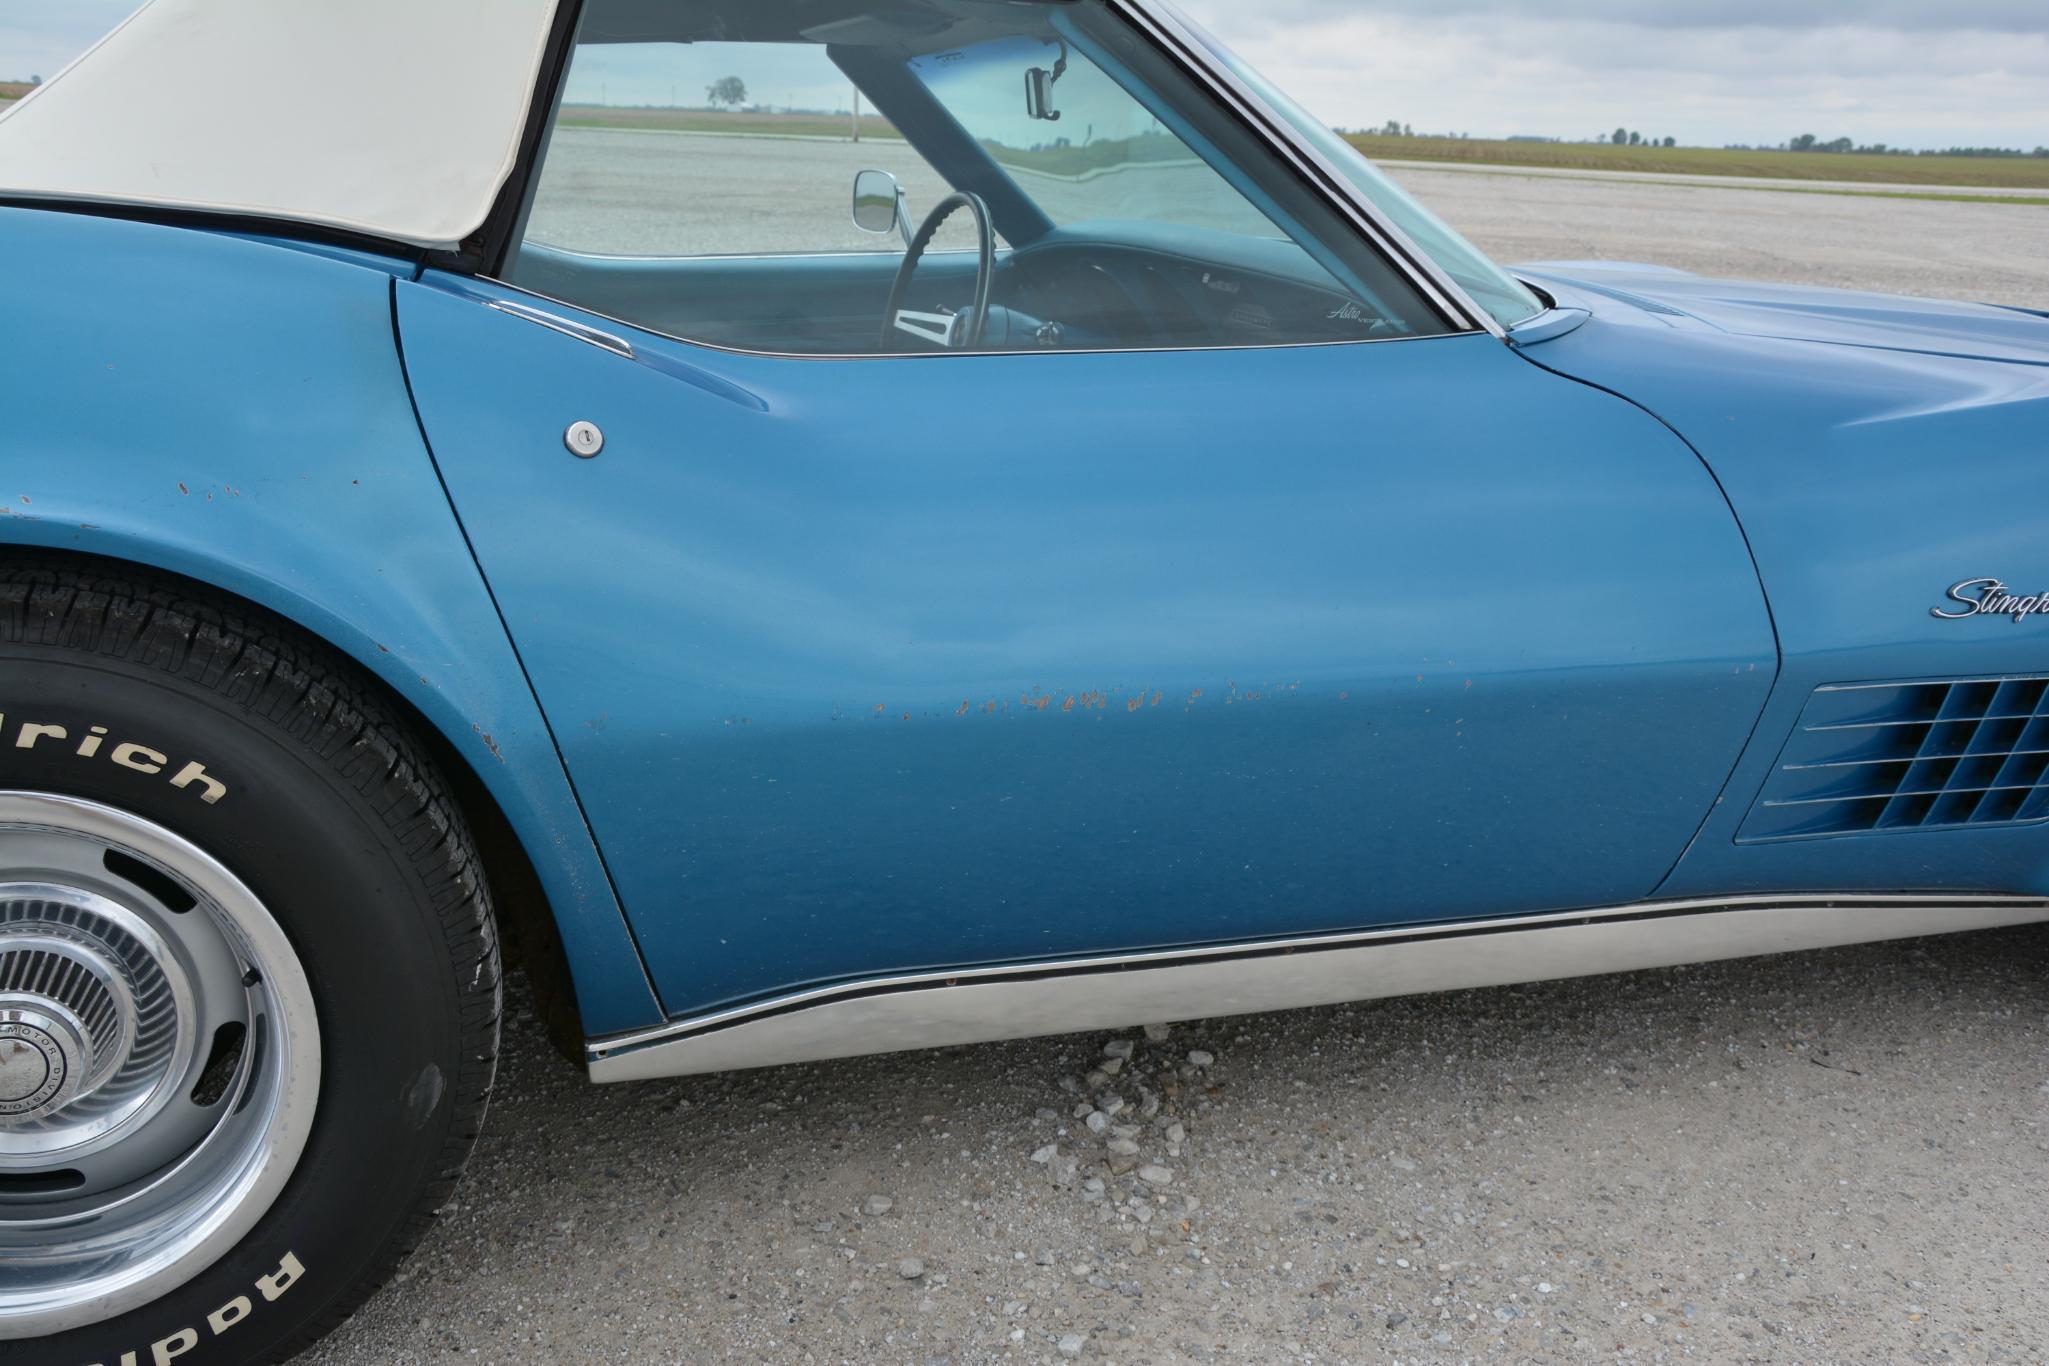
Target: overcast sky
column 1909, row 72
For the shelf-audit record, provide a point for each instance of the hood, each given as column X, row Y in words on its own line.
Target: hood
column 1875, row 451
column 1837, row 317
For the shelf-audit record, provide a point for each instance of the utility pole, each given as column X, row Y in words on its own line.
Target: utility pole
column 857, row 113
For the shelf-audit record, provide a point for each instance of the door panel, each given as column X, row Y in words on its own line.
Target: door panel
column 863, row 666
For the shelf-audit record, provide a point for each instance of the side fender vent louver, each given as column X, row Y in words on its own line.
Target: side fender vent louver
column 1878, row 757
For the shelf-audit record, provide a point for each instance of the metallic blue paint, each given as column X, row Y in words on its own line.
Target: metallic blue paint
column 234, row 410
column 866, row 666
column 888, row 665
column 1876, row 450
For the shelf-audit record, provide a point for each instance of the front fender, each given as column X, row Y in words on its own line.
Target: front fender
column 235, row 411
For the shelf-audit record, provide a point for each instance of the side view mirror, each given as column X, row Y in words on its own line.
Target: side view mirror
column 880, row 205
column 1039, row 94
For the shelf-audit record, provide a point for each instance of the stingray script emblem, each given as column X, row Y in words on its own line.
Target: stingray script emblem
column 1990, row 598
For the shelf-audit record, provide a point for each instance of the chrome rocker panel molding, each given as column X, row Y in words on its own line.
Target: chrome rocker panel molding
column 982, row 1005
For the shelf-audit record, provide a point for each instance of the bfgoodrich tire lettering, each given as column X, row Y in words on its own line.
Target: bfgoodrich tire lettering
column 227, row 728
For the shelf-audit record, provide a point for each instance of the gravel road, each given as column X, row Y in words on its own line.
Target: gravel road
column 1836, row 1157
column 624, row 192
column 1994, row 252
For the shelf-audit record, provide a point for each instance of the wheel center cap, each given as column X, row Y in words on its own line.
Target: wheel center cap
column 33, row 1068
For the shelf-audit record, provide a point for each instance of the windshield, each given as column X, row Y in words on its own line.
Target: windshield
column 1097, row 154
column 1491, row 287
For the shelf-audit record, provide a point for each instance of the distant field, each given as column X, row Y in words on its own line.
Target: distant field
column 14, row 90
column 716, row 121
column 2006, row 172
column 2027, row 173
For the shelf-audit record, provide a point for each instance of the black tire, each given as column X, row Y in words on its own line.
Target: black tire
column 335, row 819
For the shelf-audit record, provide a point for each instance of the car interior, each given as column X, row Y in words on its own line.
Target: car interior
column 1100, row 198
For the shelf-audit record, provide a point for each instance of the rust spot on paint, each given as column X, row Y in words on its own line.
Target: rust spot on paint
column 489, row 743
column 1344, row 697
column 964, row 709
column 881, row 707
column 182, row 489
column 1135, row 703
column 1068, row 705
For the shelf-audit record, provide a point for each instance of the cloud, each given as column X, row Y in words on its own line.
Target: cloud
column 1916, row 74
column 1925, row 73
column 1907, row 16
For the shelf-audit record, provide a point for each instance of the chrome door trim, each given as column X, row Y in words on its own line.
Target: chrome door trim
column 1168, row 32
column 468, row 291
column 568, row 327
column 1024, row 1000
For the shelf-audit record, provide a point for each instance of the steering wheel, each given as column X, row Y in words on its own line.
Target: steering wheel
column 953, row 331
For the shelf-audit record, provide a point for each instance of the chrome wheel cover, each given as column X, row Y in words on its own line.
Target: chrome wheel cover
column 159, row 1062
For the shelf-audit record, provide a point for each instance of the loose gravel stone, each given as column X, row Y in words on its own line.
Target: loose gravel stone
column 1158, row 1033
column 1198, row 1057
column 910, row 1268
column 1119, row 1049
column 1155, row 1175
column 1071, row 1345
column 877, row 1205
column 741, row 1218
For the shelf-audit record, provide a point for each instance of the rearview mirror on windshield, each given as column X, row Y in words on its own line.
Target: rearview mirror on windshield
column 1039, row 94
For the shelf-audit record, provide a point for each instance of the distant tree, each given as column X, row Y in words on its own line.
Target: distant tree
column 1391, row 129
column 1671, row 142
column 1408, row 130
column 1804, row 143
column 1621, row 137
column 35, row 80
column 1636, row 139
column 728, row 90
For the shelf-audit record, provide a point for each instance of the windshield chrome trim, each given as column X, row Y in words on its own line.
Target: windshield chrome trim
column 1170, row 32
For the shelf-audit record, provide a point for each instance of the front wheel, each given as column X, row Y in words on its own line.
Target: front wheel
column 249, row 988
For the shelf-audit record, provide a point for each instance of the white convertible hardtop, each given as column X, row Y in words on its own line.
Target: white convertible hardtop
column 398, row 119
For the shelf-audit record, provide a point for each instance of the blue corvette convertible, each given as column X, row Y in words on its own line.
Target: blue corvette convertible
column 458, row 484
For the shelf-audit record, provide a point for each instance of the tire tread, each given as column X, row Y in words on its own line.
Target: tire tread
column 282, row 677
